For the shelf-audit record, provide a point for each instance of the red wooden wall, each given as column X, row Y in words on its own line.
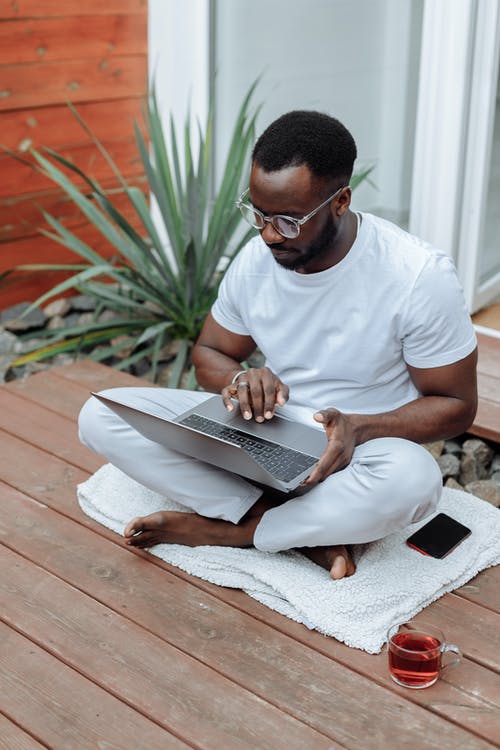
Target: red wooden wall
column 93, row 53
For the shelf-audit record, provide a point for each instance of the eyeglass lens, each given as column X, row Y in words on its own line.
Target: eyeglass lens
column 282, row 224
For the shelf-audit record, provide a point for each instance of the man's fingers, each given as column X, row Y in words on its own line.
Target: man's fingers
column 329, row 463
column 326, row 416
column 228, row 393
column 257, row 391
column 243, row 396
column 282, row 394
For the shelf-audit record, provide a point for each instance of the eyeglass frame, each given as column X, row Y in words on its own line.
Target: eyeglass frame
column 296, row 222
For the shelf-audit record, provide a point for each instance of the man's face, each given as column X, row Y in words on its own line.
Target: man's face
column 295, row 192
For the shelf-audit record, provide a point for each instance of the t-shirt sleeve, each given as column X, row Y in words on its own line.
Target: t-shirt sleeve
column 227, row 308
column 437, row 328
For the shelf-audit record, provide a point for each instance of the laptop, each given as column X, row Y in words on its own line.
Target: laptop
column 278, row 453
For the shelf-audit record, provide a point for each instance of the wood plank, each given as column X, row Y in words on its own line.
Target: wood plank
column 489, row 355
column 297, row 679
column 35, row 9
column 96, row 376
column 487, row 422
column 484, row 589
column 43, row 84
column 20, row 216
column 60, row 391
column 27, row 287
column 62, row 708
column 54, row 433
column 184, row 696
column 39, row 249
column 489, row 386
column 56, row 127
column 13, row 737
column 46, row 39
column 50, row 393
column 21, row 178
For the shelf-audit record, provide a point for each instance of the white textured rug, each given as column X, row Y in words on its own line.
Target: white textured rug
column 392, row 582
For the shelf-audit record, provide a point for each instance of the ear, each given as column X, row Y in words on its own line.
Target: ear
column 341, row 205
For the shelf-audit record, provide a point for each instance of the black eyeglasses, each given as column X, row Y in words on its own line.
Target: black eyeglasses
column 287, row 226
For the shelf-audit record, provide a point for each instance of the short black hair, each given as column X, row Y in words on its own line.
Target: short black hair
column 307, row 137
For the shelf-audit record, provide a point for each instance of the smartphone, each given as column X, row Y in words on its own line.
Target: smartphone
column 439, row 536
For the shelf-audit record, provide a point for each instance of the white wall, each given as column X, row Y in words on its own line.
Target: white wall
column 355, row 59
column 178, row 55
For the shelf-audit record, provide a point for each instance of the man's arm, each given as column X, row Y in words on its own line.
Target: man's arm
column 447, row 408
column 217, row 358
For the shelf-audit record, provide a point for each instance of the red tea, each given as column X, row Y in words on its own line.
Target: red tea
column 414, row 658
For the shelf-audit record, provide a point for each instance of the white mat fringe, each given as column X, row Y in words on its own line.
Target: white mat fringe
column 392, row 582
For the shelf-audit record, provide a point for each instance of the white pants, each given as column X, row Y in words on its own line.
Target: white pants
column 389, row 483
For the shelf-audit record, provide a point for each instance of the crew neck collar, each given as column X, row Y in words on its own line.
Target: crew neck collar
column 336, row 270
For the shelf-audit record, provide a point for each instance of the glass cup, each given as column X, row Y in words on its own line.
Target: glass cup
column 416, row 654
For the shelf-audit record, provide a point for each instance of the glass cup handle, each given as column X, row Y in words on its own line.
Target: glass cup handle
column 449, row 647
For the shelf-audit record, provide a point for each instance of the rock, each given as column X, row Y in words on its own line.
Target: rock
column 7, row 342
column 29, row 345
column 435, row 448
column 86, row 318
column 475, row 459
column 57, row 307
column 83, row 303
column 141, row 367
column 11, row 319
column 452, row 446
column 486, row 489
column 23, row 371
column 127, row 350
column 481, row 451
column 453, row 484
column 57, row 321
column 71, row 320
column 62, row 359
column 495, row 477
column 495, row 464
column 107, row 315
column 468, row 469
column 449, row 465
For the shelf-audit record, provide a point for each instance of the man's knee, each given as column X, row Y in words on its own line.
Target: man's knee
column 88, row 421
column 415, row 479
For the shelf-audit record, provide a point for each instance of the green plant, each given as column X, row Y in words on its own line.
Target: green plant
column 159, row 290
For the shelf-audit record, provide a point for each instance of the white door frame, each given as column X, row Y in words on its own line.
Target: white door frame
column 180, row 57
column 457, row 87
column 478, row 155
column 440, row 129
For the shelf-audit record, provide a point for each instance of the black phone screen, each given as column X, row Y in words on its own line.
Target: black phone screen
column 439, row 536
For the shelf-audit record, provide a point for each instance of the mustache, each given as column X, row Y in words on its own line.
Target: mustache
column 279, row 246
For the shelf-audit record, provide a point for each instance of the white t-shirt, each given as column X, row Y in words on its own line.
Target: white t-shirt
column 342, row 337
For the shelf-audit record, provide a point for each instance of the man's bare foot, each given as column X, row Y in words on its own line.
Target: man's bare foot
column 171, row 527
column 337, row 559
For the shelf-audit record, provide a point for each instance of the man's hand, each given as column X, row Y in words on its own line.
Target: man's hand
column 258, row 390
column 340, row 447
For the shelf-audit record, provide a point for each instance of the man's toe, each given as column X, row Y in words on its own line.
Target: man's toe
column 339, row 568
column 133, row 527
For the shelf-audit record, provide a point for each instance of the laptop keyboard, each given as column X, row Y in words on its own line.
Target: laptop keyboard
column 283, row 463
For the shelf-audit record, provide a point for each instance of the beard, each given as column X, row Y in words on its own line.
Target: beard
column 294, row 258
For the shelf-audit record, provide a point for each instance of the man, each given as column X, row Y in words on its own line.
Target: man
column 365, row 334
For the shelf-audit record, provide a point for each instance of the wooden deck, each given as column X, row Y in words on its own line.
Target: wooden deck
column 102, row 646
column 487, row 422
